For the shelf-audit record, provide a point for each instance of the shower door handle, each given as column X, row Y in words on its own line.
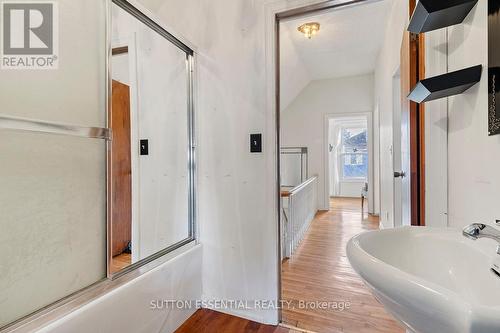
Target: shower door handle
column 42, row 126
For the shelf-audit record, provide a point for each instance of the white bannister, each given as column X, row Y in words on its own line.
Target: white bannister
column 298, row 214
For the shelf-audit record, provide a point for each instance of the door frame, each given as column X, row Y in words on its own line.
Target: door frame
column 326, row 153
column 277, row 11
column 417, row 127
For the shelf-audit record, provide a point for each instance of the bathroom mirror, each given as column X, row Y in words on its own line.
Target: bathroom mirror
column 151, row 167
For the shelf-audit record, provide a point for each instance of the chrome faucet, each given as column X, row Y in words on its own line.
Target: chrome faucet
column 479, row 230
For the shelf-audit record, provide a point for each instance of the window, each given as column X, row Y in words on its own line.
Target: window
column 354, row 154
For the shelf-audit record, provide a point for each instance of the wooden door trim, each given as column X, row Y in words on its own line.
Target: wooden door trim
column 417, row 128
column 421, row 112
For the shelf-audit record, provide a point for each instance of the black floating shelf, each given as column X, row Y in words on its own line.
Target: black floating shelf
column 446, row 85
column 436, row 14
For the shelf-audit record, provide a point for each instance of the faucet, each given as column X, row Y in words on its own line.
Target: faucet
column 479, row 230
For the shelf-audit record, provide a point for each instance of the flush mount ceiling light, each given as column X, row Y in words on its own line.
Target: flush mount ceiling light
column 309, row 29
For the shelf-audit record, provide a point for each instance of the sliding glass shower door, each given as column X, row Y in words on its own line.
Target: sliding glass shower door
column 52, row 153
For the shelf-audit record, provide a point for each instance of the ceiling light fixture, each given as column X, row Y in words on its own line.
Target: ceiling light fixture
column 309, row 29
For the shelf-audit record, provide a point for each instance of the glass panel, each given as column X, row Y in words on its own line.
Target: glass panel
column 291, row 169
column 355, row 166
column 355, row 153
column 73, row 93
column 293, row 164
column 354, row 140
column 53, row 229
column 53, row 187
column 150, row 91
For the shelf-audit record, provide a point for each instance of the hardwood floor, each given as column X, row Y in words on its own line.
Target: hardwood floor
column 120, row 261
column 320, row 271
column 208, row 321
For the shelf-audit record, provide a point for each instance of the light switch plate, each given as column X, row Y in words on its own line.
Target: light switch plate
column 256, row 143
column 144, row 147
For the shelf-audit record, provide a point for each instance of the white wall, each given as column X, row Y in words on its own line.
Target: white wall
column 461, row 166
column 474, row 177
column 294, row 74
column 293, row 169
column 351, row 189
column 237, row 197
column 121, row 68
column 303, row 122
column 387, row 65
column 436, row 134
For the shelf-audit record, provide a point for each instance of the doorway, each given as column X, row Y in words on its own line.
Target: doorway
column 319, row 83
column 349, row 158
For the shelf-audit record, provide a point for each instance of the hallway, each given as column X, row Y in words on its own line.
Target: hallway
column 320, row 271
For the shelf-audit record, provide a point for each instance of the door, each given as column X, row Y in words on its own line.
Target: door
column 411, row 199
column 404, row 179
column 121, row 169
column 401, row 157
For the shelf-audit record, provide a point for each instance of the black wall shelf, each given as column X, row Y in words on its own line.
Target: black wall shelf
column 446, row 85
column 436, row 14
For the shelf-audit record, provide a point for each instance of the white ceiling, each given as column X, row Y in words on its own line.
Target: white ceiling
column 347, row 44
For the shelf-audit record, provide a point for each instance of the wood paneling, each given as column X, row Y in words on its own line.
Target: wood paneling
column 208, row 321
column 320, row 271
column 121, row 169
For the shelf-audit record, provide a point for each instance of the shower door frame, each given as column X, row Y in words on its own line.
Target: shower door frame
column 110, row 282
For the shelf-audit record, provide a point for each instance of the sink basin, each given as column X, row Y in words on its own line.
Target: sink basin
column 432, row 280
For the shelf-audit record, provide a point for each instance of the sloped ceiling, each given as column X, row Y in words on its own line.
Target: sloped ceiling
column 348, row 44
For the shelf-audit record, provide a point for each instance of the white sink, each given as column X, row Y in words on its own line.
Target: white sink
column 432, row 280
